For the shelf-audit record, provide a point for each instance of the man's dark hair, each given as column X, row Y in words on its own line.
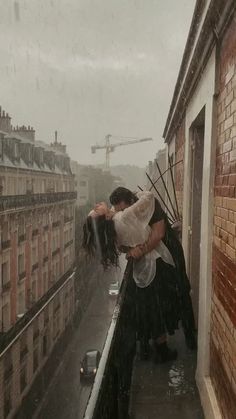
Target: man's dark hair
column 122, row 194
column 99, row 235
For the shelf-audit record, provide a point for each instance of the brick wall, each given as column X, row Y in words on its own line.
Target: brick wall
column 223, row 318
column 179, row 168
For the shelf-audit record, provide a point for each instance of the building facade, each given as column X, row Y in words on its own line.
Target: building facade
column 201, row 128
column 37, row 227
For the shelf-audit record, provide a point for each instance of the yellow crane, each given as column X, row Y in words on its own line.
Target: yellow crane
column 110, row 147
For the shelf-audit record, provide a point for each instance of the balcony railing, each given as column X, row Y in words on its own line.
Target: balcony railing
column 6, row 244
column 35, row 266
column 21, row 238
column 22, row 275
column 45, row 259
column 23, row 353
column 109, row 397
column 55, row 252
column 6, row 286
column 20, row 201
column 8, row 372
column 68, row 244
column 68, row 219
column 35, row 232
column 56, row 224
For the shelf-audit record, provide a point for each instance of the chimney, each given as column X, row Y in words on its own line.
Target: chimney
column 55, row 137
column 5, row 121
column 25, row 132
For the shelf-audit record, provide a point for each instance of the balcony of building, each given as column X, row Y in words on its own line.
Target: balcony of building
column 12, row 202
column 7, row 337
column 126, row 387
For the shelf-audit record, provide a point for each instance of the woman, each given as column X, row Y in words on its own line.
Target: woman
column 154, row 273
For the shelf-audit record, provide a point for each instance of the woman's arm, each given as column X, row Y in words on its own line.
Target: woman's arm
column 156, row 235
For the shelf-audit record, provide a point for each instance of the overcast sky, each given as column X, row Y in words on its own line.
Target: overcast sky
column 87, row 68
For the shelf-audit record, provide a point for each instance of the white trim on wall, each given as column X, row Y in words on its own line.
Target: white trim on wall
column 203, row 97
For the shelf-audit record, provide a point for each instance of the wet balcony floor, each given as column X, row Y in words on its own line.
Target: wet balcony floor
column 166, row 391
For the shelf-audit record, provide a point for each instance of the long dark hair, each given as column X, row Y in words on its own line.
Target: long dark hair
column 99, row 235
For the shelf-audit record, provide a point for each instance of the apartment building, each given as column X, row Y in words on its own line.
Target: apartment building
column 37, row 227
column 201, row 130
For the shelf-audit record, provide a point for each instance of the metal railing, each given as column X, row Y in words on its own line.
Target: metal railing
column 20, row 201
column 6, row 244
column 109, row 398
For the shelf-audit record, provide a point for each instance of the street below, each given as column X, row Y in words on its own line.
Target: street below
column 66, row 397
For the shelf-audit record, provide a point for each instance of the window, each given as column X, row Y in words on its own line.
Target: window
column 5, row 275
column 23, row 346
column 57, row 270
column 8, row 368
column 82, row 183
column 45, row 282
column 21, row 229
column 45, row 248
column 56, row 323
column 35, row 358
column 34, row 253
column 21, row 263
column 5, row 233
column 23, row 376
column 45, row 345
column 46, row 316
column 7, row 398
column 21, row 302
column 6, row 317
column 34, row 289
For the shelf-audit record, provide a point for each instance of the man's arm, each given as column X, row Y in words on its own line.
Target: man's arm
column 156, row 235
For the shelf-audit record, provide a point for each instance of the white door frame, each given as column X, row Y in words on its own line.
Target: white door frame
column 203, row 96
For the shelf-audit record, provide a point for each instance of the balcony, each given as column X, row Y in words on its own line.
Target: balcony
column 35, row 266
column 6, row 244
column 68, row 244
column 6, row 286
column 45, row 259
column 56, row 224
column 8, row 336
column 21, row 275
column 110, row 396
column 21, row 238
column 23, row 353
column 68, row 219
column 11, row 202
column 55, row 252
column 35, row 232
column 8, row 373
column 126, row 387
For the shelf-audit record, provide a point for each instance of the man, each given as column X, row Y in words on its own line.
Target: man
column 122, row 198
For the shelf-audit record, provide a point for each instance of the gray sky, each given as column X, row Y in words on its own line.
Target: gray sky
column 91, row 67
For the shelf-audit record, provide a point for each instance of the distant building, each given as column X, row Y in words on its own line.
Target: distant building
column 37, row 224
column 153, row 172
column 81, row 183
column 93, row 184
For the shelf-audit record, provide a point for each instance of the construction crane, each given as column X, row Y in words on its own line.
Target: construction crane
column 109, row 147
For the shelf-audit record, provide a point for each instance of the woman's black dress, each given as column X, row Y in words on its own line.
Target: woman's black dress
column 161, row 305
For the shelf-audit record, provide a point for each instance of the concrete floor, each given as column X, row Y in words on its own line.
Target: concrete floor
column 166, row 391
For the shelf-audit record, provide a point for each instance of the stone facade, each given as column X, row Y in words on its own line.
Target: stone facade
column 37, row 253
